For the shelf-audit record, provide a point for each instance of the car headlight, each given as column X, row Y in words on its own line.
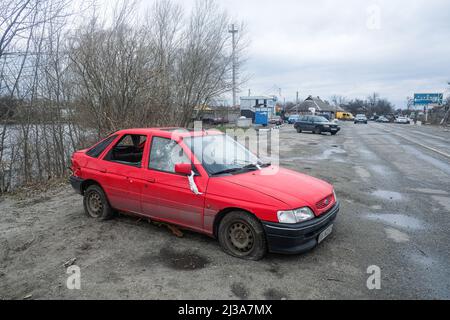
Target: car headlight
column 295, row 216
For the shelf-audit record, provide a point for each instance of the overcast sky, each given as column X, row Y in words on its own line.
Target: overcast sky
column 347, row 47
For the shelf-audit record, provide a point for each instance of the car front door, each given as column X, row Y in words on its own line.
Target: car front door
column 176, row 202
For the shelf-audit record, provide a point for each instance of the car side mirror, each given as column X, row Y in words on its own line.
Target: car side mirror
column 183, row 168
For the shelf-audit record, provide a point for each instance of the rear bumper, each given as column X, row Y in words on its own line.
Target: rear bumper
column 298, row 238
column 76, row 183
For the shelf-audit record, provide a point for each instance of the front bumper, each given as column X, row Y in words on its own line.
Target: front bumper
column 76, row 183
column 298, row 238
column 330, row 129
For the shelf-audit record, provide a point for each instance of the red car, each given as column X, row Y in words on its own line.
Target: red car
column 207, row 182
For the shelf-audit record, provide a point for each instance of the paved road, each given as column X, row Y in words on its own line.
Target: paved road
column 395, row 210
column 395, row 204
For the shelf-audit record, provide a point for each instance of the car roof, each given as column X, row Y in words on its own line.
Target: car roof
column 170, row 132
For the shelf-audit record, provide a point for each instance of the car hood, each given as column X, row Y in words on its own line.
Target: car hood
column 292, row 188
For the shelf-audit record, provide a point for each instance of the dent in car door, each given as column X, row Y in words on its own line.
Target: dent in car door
column 123, row 187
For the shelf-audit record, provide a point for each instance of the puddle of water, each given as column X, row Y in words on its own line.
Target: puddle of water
column 363, row 173
column 397, row 220
column 443, row 201
column 430, row 191
column 387, row 195
column 396, row 235
column 421, row 259
column 379, row 169
column 445, row 167
column 328, row 154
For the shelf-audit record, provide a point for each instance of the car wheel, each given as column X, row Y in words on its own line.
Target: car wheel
column 317, row 130
column 242, row 235
column 299, row 130
column 96, row 204
column 333, row 133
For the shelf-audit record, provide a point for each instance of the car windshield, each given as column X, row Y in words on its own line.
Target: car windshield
column 220, row 154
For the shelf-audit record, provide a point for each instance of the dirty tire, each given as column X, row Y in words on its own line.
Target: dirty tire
column 96, row 204
column 333, row 133
column 317, row 131
column 242, row 235
column 299, row 130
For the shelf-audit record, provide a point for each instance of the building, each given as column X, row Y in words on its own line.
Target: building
column 252, row 104
column 313, row 104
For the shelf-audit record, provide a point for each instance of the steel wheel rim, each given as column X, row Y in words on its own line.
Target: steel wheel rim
column 95, row 204
column 240, row 237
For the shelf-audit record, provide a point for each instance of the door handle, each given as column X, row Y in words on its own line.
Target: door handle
column 103, row 170
column 151, row 180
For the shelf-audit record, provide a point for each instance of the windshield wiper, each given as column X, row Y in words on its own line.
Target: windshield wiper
column 226, row 171
column 258, row 165
column 250, row 166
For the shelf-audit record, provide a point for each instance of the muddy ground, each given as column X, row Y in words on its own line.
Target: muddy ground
column 395, row 210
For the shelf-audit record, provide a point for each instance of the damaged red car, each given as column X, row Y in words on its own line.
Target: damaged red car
column 207, row 182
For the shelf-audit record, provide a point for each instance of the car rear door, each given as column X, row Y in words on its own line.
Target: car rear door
column 123, row 182
column 176, row 203
column 301, row 123
column 308, row 123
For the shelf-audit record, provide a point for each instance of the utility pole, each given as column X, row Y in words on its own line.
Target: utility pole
column 233, row 32
column 296, row 101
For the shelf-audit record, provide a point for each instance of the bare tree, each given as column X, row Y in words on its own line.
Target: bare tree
column 68, row 80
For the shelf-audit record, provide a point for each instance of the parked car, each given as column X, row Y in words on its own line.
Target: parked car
column 207, row 182
column 215, row 121
column 276, row 120
column 402, row 120
column 345, row 116
column 383, row 119
column 360, row 118
column 316, row 124
column 373, row 118
column 335, row 121
column 293, row 118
